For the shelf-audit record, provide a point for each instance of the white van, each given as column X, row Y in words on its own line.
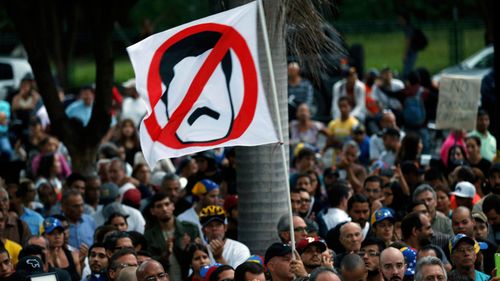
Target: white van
column 12, row 71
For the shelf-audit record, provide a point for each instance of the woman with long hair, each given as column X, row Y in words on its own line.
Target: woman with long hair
column 59, row 256
column 49, row 171
column 410, row 149
column 127, row 138
column 476, row 160
column 197, row 256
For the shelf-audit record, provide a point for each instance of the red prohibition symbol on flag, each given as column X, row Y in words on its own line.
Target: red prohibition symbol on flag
column 193, row 41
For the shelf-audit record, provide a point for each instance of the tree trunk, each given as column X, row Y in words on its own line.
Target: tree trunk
column 34, row 23
column 261, row 176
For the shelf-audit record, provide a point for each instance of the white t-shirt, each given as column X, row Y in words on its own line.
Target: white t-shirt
column 335, row 216
column 234, row 253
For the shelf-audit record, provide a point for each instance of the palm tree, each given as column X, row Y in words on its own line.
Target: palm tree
column 261, row 175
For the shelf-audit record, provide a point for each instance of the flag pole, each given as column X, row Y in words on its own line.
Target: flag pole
column 278, row 118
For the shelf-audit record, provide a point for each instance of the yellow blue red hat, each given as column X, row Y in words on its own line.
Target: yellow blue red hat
column 462, row 237
column 50, row 224
column 381, row 214
column 410, row 255
column 203, row 187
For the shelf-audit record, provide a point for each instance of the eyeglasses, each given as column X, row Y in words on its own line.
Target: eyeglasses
column 159, row 276
column 465, row 249
column 300, row 229
column 372, row 190
column 369, row 253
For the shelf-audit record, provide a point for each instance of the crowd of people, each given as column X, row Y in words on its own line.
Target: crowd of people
column 370, row 200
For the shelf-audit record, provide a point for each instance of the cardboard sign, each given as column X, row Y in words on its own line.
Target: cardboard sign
column 458, row 102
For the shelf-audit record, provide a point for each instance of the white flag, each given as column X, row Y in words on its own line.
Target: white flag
column 202, row 86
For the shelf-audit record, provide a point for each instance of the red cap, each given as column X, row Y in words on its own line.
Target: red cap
column 231, row 202
column 303, row 244
column 132, row 197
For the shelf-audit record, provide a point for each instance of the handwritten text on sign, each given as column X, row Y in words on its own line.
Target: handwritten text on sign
column 458, row 102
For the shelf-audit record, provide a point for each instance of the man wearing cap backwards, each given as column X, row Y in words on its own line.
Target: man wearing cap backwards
column 392, row 264
column 383, row 225
column 221, row 249
column 311, row 253
column 278, row 260
column 464, row 223
column 464, row 251
column 464, row 194
column 439, row 222
column 207, row 192
column 168, row 237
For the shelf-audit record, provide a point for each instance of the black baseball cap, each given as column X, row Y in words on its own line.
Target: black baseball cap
column 277, row 250
column 30, row 264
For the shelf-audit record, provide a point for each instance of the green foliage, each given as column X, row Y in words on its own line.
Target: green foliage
column 426, row 10
column 386, row 48
column 166, row 14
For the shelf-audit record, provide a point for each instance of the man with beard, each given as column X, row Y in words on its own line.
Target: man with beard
column 417, row 230
column 98, row 261
column 167, row 237
column 392, row 264
column 463, row 222
column 370, row 252
column 311, row 250
column 464, row 251
column 353, row 268
column 358, row 208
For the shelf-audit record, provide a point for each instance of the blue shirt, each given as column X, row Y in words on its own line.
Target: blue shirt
column 33, row 220
column 82, row 232
column 79, row 111
column 480, row 276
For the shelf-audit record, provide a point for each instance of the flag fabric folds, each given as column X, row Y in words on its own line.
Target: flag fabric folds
column 202, row 86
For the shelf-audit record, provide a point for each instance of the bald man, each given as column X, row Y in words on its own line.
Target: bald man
column 151, row 268
column 392, row 264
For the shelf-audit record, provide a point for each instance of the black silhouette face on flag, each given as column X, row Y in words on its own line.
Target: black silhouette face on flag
column 211, row 117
